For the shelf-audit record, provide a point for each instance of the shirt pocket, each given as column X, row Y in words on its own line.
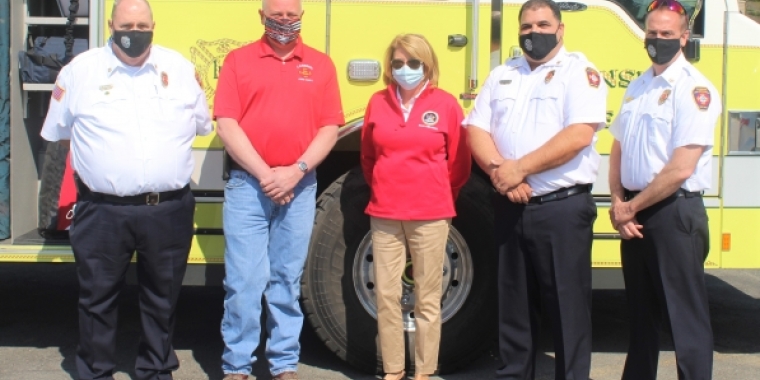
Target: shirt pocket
column 105, row 108
column 656, row 121
column 502, row 106
column 171, row 107
column 546, row 107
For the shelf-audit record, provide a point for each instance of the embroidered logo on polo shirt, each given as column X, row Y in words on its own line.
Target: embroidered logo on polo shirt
column 305, row 72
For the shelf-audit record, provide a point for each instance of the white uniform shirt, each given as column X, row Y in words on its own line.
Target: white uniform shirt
column 131, row 129
column 524, row 109
column 659, row 114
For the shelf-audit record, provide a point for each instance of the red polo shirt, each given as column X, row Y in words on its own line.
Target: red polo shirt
column 279, row 104
column 414, row 168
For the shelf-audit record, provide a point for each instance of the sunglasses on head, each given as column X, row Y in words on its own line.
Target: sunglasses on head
column 673, row 5
column 413, row 64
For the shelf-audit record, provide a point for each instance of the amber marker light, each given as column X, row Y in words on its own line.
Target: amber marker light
column 726, row 242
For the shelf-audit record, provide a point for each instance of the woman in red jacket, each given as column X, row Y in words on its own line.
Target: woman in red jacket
column 415, row 159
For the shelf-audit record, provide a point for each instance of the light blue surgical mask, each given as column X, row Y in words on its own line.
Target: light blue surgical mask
column 408, row 78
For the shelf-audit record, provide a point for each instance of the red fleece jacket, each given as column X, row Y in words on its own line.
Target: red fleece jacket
column 414, row 168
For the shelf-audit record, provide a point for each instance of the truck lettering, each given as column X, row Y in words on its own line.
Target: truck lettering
column 619, row 78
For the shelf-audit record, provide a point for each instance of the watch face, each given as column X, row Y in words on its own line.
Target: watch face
column 302, row 166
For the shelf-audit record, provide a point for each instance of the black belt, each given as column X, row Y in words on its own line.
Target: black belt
column 150, row 199
column 561, row 194
column 628, row 194
column 235, row 166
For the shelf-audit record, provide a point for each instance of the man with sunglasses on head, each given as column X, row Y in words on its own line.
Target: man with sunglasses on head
column 533, row 131
column 659, row 166
column 278, row 109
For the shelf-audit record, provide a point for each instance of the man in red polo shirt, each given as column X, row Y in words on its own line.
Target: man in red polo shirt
column 278, row 109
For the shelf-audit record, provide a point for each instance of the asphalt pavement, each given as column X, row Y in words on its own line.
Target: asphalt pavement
column 38, row 332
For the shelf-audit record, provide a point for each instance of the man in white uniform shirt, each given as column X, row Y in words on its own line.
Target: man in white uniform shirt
column 659, row 166
column 533, row 130
column 131, row 111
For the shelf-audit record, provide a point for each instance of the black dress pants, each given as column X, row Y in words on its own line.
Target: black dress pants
column 664, row 280
column 545, row 264
column 104, row 237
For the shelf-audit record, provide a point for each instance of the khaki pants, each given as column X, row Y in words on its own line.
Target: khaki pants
column 426, row 241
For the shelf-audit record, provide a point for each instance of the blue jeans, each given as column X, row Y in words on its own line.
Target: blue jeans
column 265, row 251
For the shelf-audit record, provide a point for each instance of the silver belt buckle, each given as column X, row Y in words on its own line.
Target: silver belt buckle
column 152, row 199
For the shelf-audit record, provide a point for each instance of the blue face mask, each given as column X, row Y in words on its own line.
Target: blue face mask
column 408, row 78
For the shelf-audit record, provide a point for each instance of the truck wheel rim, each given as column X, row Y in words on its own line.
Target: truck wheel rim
column 456, row 284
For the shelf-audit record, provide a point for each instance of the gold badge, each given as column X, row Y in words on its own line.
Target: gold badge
column 549, row 77
column 628, row 99
column 164, row 79
column 664, row 97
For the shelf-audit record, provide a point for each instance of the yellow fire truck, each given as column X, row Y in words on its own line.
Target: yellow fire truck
column 470, row 38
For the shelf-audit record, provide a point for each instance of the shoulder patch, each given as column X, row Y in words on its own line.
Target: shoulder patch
column 58, row 92
column 593, row 77
column 702, row 97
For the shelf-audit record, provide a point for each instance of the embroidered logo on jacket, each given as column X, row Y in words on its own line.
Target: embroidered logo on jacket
column 429, row 120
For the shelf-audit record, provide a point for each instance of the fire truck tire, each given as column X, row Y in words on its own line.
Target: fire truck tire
column 333, row 296
column 53, row 167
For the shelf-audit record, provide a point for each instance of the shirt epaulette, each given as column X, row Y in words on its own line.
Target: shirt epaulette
column 578, row 56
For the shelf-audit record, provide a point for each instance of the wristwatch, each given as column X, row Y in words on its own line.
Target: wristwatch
column 303, row 167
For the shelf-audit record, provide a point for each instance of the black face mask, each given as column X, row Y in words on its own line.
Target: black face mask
column 662, row 51
column 538, row 45
column 133, row 42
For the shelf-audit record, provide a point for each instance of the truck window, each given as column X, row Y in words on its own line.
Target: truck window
column 637, row 9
